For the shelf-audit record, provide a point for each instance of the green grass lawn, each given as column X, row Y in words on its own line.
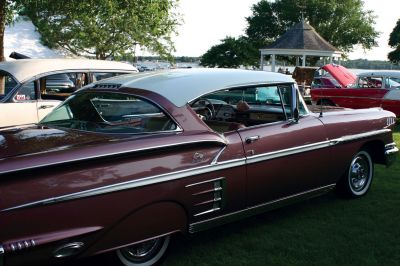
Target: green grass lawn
column 321, row 231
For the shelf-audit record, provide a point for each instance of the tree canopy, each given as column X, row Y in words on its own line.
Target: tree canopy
column 230, row 53
column 105, row 28
column 343, row 23
column 394, row 42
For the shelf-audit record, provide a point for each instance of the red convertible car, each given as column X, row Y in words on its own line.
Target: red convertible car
column 337, row 86
column 127, row 162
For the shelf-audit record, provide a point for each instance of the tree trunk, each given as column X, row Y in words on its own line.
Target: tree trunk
column 2, row 27
column 3, row 4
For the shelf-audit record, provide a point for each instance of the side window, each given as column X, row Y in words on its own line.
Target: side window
column 392, row 82
column 110, row 113
column 370, row 82
column 26, row 93
column 232, row 109
column 7, row 84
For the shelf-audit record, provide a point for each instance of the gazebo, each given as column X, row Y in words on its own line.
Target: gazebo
column 301, row 41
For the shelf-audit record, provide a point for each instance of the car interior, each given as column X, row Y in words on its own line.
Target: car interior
column 232, row 109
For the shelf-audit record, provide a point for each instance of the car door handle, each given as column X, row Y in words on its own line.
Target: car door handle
column 252, row 139
column 45, row 106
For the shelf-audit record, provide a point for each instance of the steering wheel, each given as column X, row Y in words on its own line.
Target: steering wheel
column 204, row 104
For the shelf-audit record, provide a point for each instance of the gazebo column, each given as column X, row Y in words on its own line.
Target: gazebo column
column 297, row 61
column 273, row 63
column 262, row 62
column 304, row 60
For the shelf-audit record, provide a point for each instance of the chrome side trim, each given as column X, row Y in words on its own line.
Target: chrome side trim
column 113, row 154
column 204, row 182
column 134, row 183
column 207, row 212
column 364, row 135
column 290, row 151
column 215, row 160
column 230, row 217
column 215, row 166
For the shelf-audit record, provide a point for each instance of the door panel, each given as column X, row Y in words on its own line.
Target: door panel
column 283, row 159
column 18, row 113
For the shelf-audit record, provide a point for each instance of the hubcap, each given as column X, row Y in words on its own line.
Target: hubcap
column 142, row 251
column 359, row 173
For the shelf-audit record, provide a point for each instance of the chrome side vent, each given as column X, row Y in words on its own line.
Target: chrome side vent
column 106, row 86
column 208, row 196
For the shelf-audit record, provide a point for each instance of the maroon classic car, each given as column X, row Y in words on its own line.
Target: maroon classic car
column 337, row 86
column 127, row 162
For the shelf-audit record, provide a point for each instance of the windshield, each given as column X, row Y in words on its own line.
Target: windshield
column 7, row 84
column 109, row 113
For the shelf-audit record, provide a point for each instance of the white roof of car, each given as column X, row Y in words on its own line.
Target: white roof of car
column 24, row 69
column 380, row 73
column 181, row 86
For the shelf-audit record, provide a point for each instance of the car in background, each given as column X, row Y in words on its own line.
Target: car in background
column 31, row 88
column 126, row 162
column 337, row 86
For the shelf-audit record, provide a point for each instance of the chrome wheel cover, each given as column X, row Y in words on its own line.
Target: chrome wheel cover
column 145, row 253
column 360, row 173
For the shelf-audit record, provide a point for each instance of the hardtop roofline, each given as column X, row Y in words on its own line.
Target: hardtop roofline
column 184, row 85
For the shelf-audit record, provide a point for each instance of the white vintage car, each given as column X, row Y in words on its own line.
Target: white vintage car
column 31, row 88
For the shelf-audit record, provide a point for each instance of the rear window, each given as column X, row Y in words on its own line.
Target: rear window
column 108, row 112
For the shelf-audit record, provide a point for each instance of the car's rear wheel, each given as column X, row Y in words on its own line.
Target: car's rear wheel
column 356, row 181
column 144, row 254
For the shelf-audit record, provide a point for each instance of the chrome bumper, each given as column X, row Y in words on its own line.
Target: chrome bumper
column 391, row 152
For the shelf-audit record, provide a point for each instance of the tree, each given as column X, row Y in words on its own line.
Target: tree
column 105, row 28
column 343, row 23
column 394, row 42
column 8, row 9
column 230, row 53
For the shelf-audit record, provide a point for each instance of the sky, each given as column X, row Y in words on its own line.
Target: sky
column 206, row 22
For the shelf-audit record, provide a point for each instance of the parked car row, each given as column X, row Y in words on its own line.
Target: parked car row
column 336, row 85
column 31, row 88
column 125, row 163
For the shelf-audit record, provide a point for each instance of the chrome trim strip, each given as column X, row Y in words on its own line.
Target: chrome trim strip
column 206, row 181
column 364, row 135
column 229, row 217
column 194, row 171
column 208, row 191
column 135, row 183
column 207, row 212
column 215, row 160
column 208, row 202
column 290, row 151
column 113, row 154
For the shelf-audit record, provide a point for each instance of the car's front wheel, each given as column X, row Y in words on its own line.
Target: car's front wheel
column 356, row 181
column 144, row 254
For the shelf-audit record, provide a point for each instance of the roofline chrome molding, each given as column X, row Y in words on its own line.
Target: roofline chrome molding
column 112, row 154
column 250, row 211
column 213, row 166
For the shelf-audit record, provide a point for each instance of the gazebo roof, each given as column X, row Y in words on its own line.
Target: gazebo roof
column 301, row 39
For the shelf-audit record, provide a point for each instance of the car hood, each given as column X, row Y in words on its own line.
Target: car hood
column 36, row 139
column 342, row 75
